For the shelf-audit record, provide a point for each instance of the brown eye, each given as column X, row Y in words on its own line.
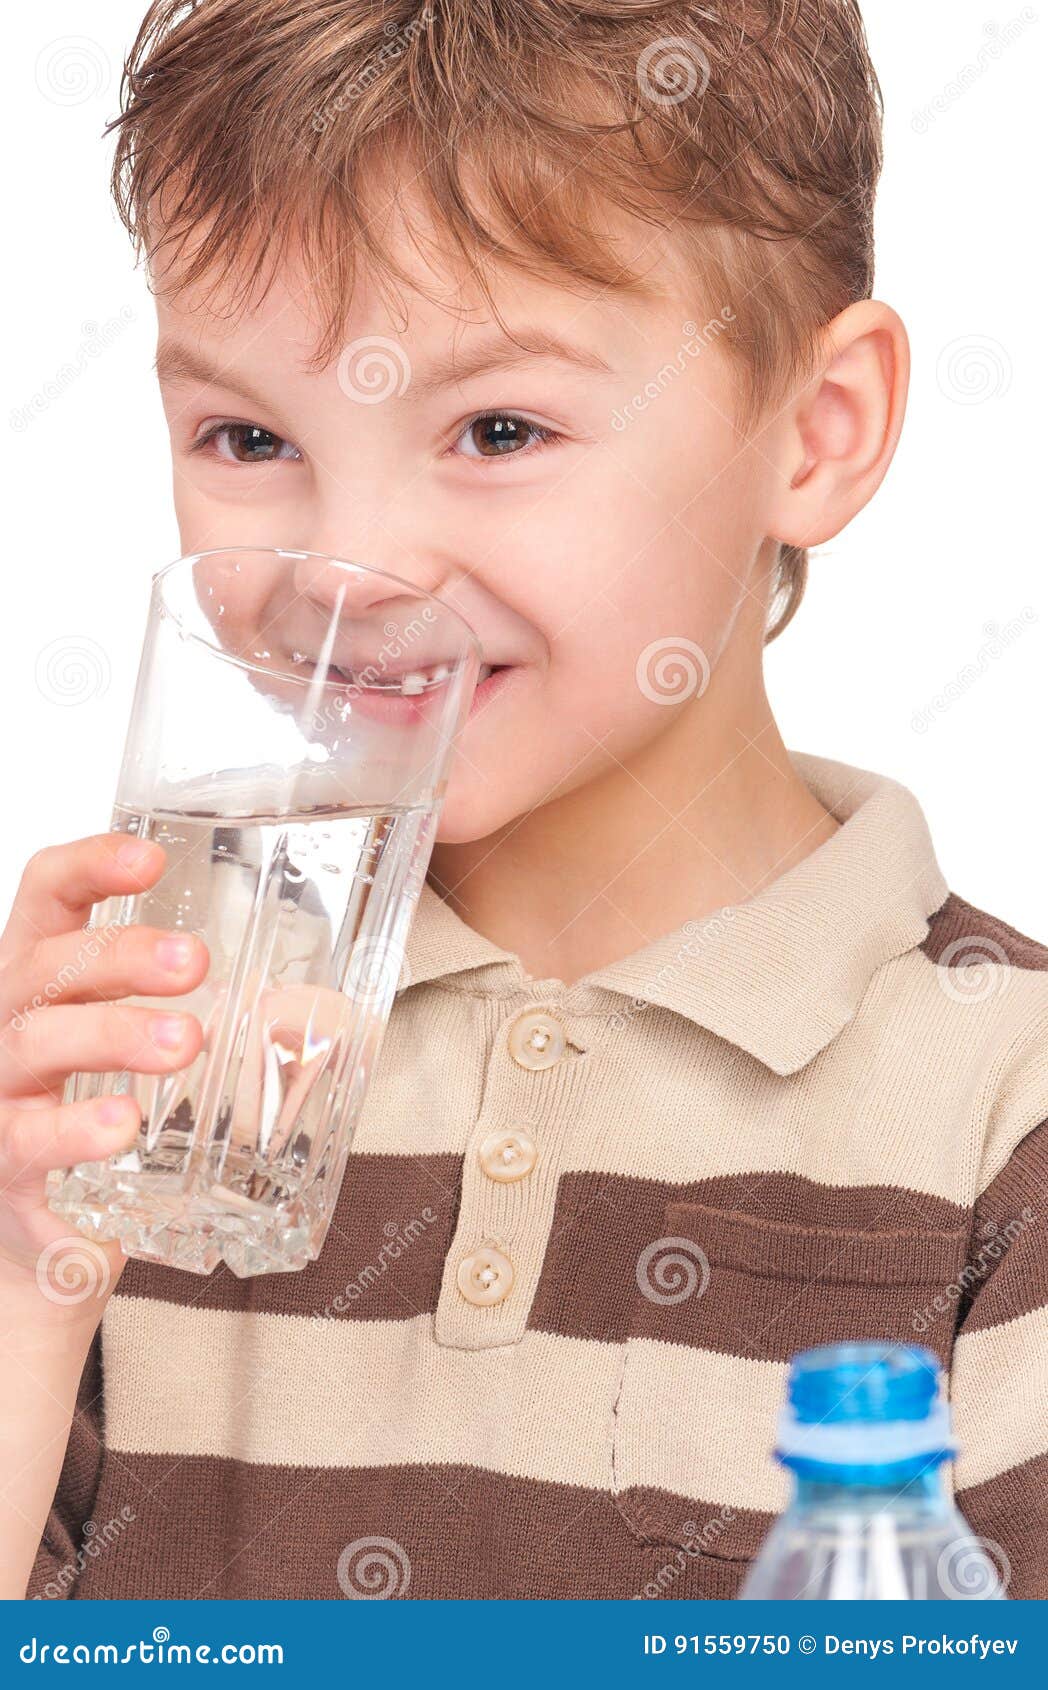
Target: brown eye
column 496, row 436
column 247, row 443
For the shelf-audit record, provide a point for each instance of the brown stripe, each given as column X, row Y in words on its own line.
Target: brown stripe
column 728, row 1534
column 208, row 1528
column 382, row 1260
column 1008, row 1258
column 1011, row 1511
column 900, row 1240
column 772, row 1290
column 957, row 921
column 791, row 1263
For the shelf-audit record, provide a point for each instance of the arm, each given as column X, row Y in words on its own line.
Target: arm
column 58, row 1016
column 1000, row 1371
column 44, row 1369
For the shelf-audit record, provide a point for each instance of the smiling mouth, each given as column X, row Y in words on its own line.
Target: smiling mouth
column 412, row 683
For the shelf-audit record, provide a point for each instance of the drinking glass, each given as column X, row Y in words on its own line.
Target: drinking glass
column 289, row 745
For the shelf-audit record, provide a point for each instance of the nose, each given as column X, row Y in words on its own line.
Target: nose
column 356, row 615
column 379, row 573
column 348, row 583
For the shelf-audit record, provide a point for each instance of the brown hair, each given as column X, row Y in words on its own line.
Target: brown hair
column 748, row 128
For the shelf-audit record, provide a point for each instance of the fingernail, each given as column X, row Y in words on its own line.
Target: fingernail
column 174, row 952
column 135, row 853
column 168, row 1031
column 115, row 1112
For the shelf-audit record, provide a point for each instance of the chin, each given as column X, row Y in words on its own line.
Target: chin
column 469, row 815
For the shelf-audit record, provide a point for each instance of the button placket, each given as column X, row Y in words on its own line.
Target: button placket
column 536, row 1067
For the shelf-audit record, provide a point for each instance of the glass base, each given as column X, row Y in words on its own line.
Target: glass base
column 154, row 1220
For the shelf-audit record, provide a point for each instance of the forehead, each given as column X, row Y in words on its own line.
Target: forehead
column 437, row 295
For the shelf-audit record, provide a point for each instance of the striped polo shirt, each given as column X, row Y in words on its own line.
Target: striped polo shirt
column 581, row 1231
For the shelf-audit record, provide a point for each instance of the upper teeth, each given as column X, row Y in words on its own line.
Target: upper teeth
column 417, row 680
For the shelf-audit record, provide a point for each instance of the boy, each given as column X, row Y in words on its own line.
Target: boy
column 563, row 313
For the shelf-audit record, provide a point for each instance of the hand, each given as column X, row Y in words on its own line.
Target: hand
column 58, row 980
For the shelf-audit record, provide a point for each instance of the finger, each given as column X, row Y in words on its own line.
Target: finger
column 99, row 1038
column 88, row 965
column 62, row 882
column 34, row 1141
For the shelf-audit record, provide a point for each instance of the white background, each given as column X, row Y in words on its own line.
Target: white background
column 889, row 665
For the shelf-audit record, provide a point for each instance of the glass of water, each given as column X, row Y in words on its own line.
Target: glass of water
column 289, row 747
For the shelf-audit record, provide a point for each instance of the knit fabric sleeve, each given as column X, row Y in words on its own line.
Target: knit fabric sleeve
column 1000, row 1372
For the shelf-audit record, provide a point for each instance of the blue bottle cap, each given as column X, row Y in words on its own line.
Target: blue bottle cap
column 869, row 1413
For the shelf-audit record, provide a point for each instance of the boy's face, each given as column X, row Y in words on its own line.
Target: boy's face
column 605, row 551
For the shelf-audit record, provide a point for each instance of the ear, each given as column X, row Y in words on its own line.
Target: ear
column 833, row 443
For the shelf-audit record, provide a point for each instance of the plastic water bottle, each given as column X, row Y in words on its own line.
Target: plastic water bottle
column 866, row 1435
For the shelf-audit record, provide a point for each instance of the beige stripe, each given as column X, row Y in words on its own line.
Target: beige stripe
column 301, row 1392
column 274, row 1388
column 658, row 1093
column 999, row 1387
column 700, row 1424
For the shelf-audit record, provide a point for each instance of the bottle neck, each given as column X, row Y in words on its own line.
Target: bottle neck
column 923, row 1492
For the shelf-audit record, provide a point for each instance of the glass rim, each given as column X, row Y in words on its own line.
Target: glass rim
column 160, row 576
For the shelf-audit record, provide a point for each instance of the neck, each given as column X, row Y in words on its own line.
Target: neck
column 704, row 816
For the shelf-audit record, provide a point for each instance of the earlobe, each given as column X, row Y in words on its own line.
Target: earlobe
column 839, row 435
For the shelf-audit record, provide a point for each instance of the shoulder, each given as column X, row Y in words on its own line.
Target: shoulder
column 996, row 981
column 962, row 936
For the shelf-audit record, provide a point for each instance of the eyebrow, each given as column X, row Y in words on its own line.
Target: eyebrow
column 501, row 352
column 175, row 362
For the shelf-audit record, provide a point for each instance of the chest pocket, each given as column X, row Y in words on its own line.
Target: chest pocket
column 723, row 1300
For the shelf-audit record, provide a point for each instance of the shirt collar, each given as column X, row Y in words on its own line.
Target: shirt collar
column 780, row 974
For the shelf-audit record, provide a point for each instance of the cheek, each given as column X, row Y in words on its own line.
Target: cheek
column 635, row 589
column 653, row 638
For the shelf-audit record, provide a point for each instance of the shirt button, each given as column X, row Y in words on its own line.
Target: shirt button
column 506, row 1156
column 536, row 1040
column 486, row 1276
